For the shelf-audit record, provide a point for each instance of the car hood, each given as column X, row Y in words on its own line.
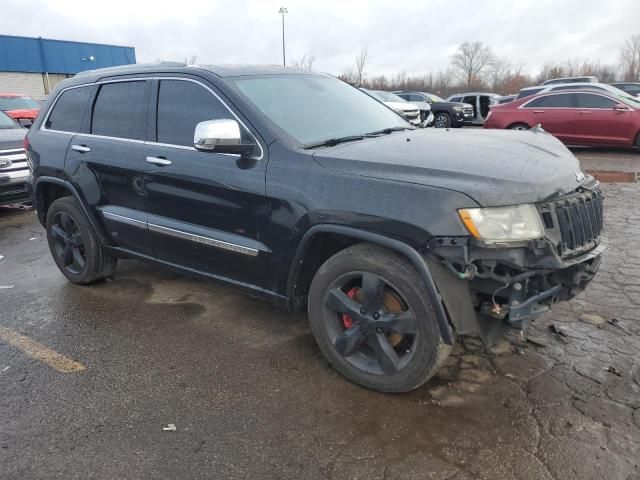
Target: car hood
column 11, row 138
column 494, row 167
column 30, row 113
column 401, row 106
column 422, row 105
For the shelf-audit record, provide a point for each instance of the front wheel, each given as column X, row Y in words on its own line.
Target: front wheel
column 373, row 320
column 442, row 120
column 519, row 126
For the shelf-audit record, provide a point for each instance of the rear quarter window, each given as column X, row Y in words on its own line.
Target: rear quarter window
column 120, row 110
column 68, row 111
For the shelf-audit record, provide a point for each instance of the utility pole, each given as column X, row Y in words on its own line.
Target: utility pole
column 282, row 11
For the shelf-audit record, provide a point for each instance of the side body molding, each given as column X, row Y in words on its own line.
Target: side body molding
column 400, row 247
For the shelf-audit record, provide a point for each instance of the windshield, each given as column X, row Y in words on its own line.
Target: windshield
column 7, row 122
column 315, row 108
column 17, row 103
column 435, row 98
column 387, row 96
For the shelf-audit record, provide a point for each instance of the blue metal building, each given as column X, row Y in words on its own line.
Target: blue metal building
column 34, row 65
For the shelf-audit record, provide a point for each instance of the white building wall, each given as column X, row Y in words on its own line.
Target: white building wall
column 31, row 84
column 36, row 85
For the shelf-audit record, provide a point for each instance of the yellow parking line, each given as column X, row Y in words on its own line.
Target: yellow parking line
column 40, row 352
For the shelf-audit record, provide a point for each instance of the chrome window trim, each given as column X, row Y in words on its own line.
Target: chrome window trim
column 139, row 79
column 192, row 237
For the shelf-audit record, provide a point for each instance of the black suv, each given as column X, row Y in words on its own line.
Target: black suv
column 302, row 189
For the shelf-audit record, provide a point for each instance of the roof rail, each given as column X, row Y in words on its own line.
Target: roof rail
column 136, row 65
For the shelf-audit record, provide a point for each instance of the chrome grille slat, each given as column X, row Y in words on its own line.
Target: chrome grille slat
column 579, row 220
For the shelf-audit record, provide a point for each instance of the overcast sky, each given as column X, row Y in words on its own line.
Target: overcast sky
column 414, row 36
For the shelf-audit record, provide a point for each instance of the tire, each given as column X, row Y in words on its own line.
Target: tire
column 519, row 127
column 442, row 120
column 74, row 245
column 356, row 344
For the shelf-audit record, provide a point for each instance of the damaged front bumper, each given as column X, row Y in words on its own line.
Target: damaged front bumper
column 486, row 289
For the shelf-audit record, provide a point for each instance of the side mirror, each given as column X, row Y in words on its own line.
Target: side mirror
column 619, row 107
column 221, row 136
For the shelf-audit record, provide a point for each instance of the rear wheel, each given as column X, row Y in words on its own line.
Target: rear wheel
column 442, row 120
column 519, row 126
column 373, row 321
column 74, row 245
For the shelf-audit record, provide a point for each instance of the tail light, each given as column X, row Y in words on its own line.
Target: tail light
column 26, row 145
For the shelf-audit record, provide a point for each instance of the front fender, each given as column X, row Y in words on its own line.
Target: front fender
column 393, row 244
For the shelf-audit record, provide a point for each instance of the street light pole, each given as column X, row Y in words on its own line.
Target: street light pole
column 282, row 11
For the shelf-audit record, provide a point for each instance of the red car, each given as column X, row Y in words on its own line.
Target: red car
column 576, row 117
column 20, row 107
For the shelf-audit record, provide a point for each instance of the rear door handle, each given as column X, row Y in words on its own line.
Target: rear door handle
column 80, row 148
column 538, row 111
column 163, row 162
column 585, row 113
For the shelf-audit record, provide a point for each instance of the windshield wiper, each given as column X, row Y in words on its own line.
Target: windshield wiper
column 387, row 131
column 332, row 142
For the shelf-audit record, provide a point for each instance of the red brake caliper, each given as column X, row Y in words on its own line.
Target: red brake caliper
column 347, row 321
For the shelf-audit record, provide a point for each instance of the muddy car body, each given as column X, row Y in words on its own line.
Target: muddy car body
column 395, row 239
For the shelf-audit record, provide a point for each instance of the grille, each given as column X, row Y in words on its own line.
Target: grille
column 579, row 219
column 13, row 160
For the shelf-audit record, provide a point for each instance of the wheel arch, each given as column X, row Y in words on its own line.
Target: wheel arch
column 512, row 124
column 48, row 189
column 323, row 241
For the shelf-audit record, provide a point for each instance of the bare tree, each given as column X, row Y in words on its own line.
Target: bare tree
column 630, row 59
column 361, row 61
column 306, row 62
column 191, row 60
column 470, row 61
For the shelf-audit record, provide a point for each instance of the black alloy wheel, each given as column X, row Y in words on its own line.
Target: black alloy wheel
column 373, row 320
column 372, row 328
column 68, row 245
column 74, row 244
column 442, row 120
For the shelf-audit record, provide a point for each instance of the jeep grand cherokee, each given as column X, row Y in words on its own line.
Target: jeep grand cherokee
column 395, row 239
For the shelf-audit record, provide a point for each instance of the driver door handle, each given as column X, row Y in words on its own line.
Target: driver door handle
column 163, row 162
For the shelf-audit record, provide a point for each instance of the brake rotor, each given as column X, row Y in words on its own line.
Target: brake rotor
column 391, row 302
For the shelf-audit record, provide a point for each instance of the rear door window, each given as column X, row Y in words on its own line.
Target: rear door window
column 67, row 113
column 120, row 110
column 181, row 106
column 586, row 100
column 551, row 101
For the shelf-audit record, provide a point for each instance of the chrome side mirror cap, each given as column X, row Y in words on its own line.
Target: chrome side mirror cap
column 221, row 136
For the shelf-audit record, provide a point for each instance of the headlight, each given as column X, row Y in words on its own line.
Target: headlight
column 503, row 224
